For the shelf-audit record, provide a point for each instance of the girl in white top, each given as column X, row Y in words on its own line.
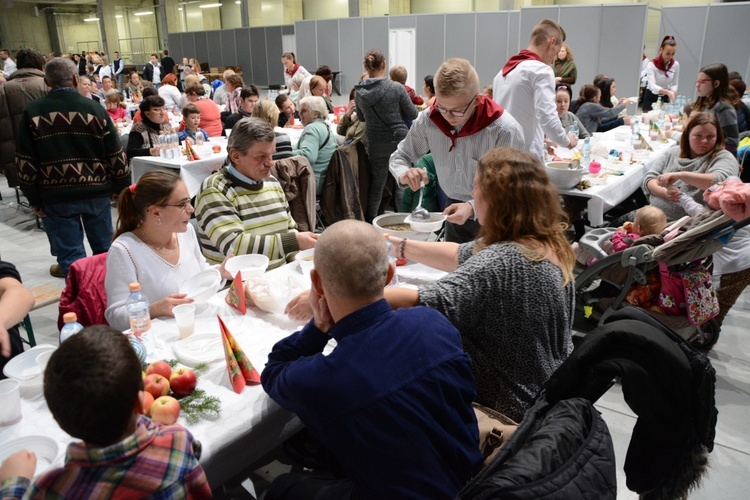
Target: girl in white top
column 154, row 245
column 663, row 74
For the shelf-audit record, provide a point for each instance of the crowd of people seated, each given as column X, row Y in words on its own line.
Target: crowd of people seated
column 492, row 330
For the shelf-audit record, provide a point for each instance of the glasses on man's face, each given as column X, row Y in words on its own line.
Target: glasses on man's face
column 453, row 112
column 183, row 205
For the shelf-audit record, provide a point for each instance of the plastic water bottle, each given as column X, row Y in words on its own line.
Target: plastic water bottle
column 71, row 326
column 635, row 132
column 174, row 144
column 161, row 144
column 574, row 129
column 199, row 139
column 392, row 258
column 586, row 153
column 138, row 310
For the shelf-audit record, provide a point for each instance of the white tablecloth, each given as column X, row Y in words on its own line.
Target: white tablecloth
column 192, row 172
column 615, row 189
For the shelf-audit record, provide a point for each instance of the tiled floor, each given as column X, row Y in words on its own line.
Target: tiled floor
column 27, row 247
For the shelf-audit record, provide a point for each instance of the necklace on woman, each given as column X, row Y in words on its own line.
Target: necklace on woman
column 160, row 250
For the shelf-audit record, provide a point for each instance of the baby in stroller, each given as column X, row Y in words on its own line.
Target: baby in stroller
column 649, row 220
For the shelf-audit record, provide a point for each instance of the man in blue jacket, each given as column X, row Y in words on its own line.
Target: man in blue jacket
column 392, row 402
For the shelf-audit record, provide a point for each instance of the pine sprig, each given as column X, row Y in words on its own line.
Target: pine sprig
column 198, row 406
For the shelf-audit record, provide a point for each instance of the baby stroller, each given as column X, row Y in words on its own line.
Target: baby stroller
column 602, row 288
column 562, row 448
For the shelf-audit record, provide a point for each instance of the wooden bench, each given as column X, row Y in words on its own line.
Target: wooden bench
column 46, row 294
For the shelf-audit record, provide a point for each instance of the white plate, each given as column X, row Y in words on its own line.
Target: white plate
column 45, row 449
column 25, row 369
column 199, row 348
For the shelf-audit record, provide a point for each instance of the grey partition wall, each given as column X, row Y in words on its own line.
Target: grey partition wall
column 708, row 34
column 604, row 39
column 487, row 39
column 257, row 50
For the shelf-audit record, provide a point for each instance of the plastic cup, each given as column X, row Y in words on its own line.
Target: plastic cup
column 10, row 401
column 227, row 132
column 184, row 314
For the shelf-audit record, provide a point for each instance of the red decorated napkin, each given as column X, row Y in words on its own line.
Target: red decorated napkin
column 236, row 294
column 241, row 370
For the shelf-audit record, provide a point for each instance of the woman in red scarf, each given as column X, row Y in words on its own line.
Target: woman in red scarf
column 663, row 74
column 289, row 60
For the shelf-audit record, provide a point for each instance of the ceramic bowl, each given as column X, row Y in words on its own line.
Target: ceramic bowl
column 562, row 176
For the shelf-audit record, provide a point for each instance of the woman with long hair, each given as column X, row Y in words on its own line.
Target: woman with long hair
column 565, row 67
column 662, row 74
column 382, row 105
column 594, row 116
column 154, row 244
column 712, row 87
column 698, row 162
column 510, row 292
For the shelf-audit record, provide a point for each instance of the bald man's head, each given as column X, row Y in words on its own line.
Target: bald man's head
column 351, row 259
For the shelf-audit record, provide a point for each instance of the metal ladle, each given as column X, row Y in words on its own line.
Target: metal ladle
column 419, row 213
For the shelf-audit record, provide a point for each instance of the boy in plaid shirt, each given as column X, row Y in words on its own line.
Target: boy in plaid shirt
column 94, row 389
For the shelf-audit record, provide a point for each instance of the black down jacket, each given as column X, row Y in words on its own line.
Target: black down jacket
column 559, row 451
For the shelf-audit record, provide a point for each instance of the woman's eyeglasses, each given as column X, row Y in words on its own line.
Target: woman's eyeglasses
column 183, row 206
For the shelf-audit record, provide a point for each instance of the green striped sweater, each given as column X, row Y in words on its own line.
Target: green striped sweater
column 239, row 218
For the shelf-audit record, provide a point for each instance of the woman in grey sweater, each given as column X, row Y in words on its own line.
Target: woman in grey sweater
column 697, row 163
column 510, row 292
column 593, row 115
column 383, row 105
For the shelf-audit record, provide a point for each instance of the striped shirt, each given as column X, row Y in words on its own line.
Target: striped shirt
column 156, row 462
column 238, row 218
column 456, row 168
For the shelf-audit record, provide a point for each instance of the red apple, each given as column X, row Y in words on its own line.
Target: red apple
column 183, row 381
column 148, row 400
column 216, row 148
column 156, row 385
column 160, row 368
column 165, row 410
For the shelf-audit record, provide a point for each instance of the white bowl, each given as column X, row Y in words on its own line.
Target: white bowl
column 202, row 286
column 427, row 226
column 251, row 265
column 305, row 255
column 25, row 369
column 397, row 218
column 45, row 448
column 562, row 176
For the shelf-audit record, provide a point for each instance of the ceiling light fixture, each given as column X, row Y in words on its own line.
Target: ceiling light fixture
column 209, row 5
column 91, row 19
column 147, row 13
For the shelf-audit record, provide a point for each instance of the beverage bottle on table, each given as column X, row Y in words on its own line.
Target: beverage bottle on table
column 574, row 129
column 138, row 310
column 71, row 326
column 586, row 153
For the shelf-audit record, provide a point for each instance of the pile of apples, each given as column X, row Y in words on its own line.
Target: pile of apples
column 158, row 380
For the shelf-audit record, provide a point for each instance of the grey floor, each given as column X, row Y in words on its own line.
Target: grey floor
column 26, row 246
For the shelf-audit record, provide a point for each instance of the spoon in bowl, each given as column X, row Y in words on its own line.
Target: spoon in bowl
column 419, row 213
